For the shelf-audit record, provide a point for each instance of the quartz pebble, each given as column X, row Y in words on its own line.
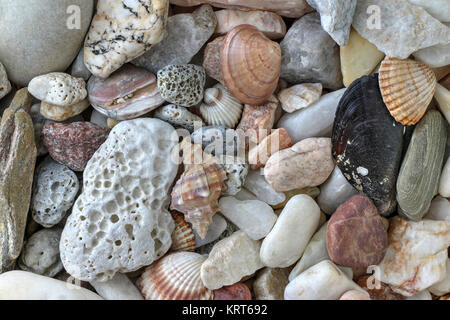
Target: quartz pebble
column 40, row 253
column 313, row 192
column 355, row 295
column 117, row 288
column 439, row 209
column 254, row 217
column 444, row 184
column 270, row 283
column 230, row 260
column 179, row 116
column 215, row 229
column 422, row 295
column 58, row 113
column 256, row 184
column 5, row 85
column 299, row 96
column 285, row 244
column 55, row 188
column 443, row 286
column 435, row 56
column 244, row 194
column 306, row 164
column 442, row 96
column 437, row 8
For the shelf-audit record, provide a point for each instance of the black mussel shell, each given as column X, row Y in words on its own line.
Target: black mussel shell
column 368, row 142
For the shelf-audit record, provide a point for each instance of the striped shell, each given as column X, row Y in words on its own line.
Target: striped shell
column 197, row 191
column 407, row 88
column 183, row 238
column 220, row 107
column 176, row 276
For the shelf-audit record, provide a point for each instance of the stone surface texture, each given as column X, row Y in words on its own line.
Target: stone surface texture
column 119, row 287
column 5, row 85
column 299, row 96
column 256, row 184
column 270, row 283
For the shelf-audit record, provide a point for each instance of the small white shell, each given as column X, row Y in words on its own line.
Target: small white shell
column 220, row 107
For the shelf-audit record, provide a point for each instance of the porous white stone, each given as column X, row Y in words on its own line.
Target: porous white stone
column 443, row 286
column 257, row 184
column 119, row 287
column 23, row 285
column 334, row 192
column 58, row 88
column 230, row 260
column 439, row 209
column 215, row 229
column 437, row 8
column 323, row 281
column 315, row 121
column 54, row 192
column 256, row 218
column 285, row 244
column 435, row 56
column 444, row 184
column 5, row 85
column 120, row 221
column 378, row 21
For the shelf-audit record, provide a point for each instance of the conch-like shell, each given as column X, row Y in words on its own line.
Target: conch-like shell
column 220, row 107
column 250, row 64
column 197, row 191
column 175, row 277
column 183, row 238
column 407, row 88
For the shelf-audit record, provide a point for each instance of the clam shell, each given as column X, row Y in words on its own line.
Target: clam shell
column 183, row 238
column 368, row 142
column 407, row 88
column 250, row 64
column 176, row 276
column 128, row 93
column 220, row 107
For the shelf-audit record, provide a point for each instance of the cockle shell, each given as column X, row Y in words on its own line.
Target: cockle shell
column 183, row 238
column 250, row 64
column 175, row 277
column 220, row 107
column 407, row 88
column 126, row 94
column 197, row 191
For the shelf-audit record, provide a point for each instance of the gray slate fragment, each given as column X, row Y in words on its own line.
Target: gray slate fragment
column 310, row 54
column 336, row 17
column 405, row 28
column 186, row 35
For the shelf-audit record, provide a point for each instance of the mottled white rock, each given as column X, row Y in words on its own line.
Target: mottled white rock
column 443, row 286
column 334, row 192
column 422, row 295
column 444, row 184
column 121, row 31
column 215, row 229
column 335, row 17
column 442, row 96
column 323, row 281
column 435, row 56
column 58, row 88
column 256, row 218
column 439, row 209
column 119, row 287
column 120, row 221
column 230, row 260
column 285, row 244
column 23, row 285
column 58, row 113
column 257, row 184
column 237, row 170
column 416, row 30
column 315, row 121
column 417, row 255
column 244, row 194
column 299, row 96
column 99, row 119
column 5, row 85
column 437, row 8
column 179, row 116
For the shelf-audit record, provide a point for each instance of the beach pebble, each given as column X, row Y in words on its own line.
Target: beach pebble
column 444, row 184
column 182, row 84
column 285, row 244
column 78, row 68
column 306, row 164
column 435, row 56
column 439, row 209
column 270, row 283
column 38, row 122
column 422, row 295
column 377, row 289
column 5, row 85
column 237, row 291
column 99, row 119
column 215, row 229
column 355, row 295
column 55, row 188
column 313, row 192
column 254, row 217
column 58, row 113
column 443, row 286
column 40, row 253
column 437, row 8
column 310, row 54
column 179, row 116
column 257, row 184
column 230, row 260
column 442, row 96
column 299, row 96
column 117, row 288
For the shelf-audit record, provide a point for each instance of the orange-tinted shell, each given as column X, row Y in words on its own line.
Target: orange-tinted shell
column 176, row 276
column 407, row 88
column 183, row 238
column 251, row 64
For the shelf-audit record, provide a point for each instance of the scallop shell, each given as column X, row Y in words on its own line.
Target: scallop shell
column 220, row 107
column 197, row 191
column 176, row 276
column 183, row 238
column 250, row 64
column 407, row 88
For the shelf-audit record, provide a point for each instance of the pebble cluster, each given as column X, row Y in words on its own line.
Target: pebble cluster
column 225, row 150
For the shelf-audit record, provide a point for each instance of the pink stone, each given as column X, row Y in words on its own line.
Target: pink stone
column 237, row 291
column 278, row 140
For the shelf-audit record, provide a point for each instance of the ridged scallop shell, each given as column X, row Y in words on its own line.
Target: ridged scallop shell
column 220, row 107
column 197, row 191
column 176, row 276
column 407, row 88
column 250, row 64
column 183, row 238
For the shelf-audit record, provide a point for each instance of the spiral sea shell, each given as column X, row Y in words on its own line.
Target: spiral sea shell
column 250, row 64
column 176, row 276
column 183, row 238
column 220, row 107
column 407, row 88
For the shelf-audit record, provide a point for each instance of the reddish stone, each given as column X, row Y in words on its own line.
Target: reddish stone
column 237, row 291
column 379, row 290
column 211, row 58
column 73, row 144
column 356, row 236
